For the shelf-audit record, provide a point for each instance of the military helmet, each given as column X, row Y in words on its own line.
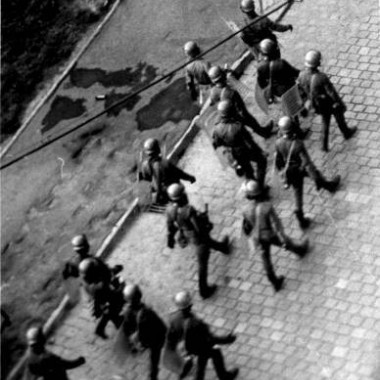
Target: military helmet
column 79, row 242
column 251, row 188
column 267, row 46
column 86, row 265
column 313, row 58
column 191, row 49
column 176, row 191
column 216, row 73
column 224, row 107
column 285, row 124
column 183, row 300
column 34, row 335
column 132, row 292
column 151, row 146
column 247, row 6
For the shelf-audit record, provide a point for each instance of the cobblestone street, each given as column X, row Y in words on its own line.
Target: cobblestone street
column 325, row 323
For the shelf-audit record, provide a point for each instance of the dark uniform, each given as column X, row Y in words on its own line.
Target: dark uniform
column 143, row 324
column 48, row 366
column 162, row 173
column 261, row 218
column 283, row 75
column 197, row 77
column 194, row 227
column 299, row 166
column 260, row 30
column 316, row 87
column 226, row 92
column 199, row 341
column 240, row 145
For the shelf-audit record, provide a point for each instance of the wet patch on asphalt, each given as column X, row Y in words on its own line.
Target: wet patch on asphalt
column 171, row 104
column 62, row 108
column 114, row 97
column 130, row 76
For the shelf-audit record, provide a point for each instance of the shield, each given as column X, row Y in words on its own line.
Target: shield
column 291, row 102
column 261, row 100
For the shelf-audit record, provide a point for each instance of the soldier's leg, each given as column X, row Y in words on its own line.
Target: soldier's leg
column 220, row 368
column 277, row 282
column 220, row 246
column 101, row 326
column 201, row 367
column 342, row 124
column 326, row 118
column 297, row 185
column 154, row 356
column 203, row 254
column 330, row 185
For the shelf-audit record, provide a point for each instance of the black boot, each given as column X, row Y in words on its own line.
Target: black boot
column 350, row 132
column 232, row 374
column 226, row 245
column 332, row 185
column 209, row 291
column 302, row 221
column 300, row 249
column 279, row 284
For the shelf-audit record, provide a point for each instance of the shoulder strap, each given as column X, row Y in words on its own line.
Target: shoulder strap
column 312, row 85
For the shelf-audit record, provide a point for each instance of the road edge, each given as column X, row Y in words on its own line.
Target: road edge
column 60, row 79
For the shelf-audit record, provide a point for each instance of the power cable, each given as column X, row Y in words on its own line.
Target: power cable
column 144, row 88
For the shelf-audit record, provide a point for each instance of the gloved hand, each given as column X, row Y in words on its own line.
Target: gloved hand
column 290, row 27
column 193, row 179
column 171, row 242
column 81, row 360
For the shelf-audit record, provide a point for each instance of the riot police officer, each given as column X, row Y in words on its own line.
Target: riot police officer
column 192, row 227
column 260, row 221
column 260, row 30
column 160, row 171
column 197, row 79
column 105, row 293
column 239, row 144
column 320, row 94
column 143, row 327
column 199, row 341
column 223, row 91
column 292, row 159
column 42, row 363
column 275, row 72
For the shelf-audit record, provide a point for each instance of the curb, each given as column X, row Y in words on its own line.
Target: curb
column 54, row 87
column 110, row 241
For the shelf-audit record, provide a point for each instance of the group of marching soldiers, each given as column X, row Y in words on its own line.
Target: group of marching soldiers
column 186, row 337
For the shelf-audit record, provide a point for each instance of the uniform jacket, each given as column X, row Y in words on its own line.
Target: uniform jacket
column 228, row 93
column 323, row 95
column 261, row 30
column 144, row 321
column 49, row 366
column 261, row 218
column 283, row 74
column 196, row 72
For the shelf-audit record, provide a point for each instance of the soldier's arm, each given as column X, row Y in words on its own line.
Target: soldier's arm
column 277, row 27
column 279, row 160
column 57, row 361
column 247, row 225
column 262, row 78
column 171, row 228
column 190, row 84
column 181, row 174
column 331, row 91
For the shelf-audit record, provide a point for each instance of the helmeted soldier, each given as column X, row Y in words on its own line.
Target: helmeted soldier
column 105, row 292
column 274, row 73
column 292, row 159
column 197, row 79
column 186, row 327
column 260, row 221
column 223, row 91
column 320, row 94
column 239, row 144
column 192, row 227
column 143, row 327
column 41, row 363
column 260, row 30
column 160, row 171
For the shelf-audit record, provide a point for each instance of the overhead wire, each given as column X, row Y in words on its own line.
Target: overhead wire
column 143, row 89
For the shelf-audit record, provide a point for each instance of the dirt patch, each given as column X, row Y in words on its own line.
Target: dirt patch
column 62, row 108
column 113, row 98
column 172, row 104
column 130, row 76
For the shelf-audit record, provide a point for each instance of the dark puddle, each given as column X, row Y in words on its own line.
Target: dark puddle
column 62, row 108
column 130, row 76
column 172, row 104
column 113, row 98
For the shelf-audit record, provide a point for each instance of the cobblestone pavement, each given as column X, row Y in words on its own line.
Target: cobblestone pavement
column 325, row 323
